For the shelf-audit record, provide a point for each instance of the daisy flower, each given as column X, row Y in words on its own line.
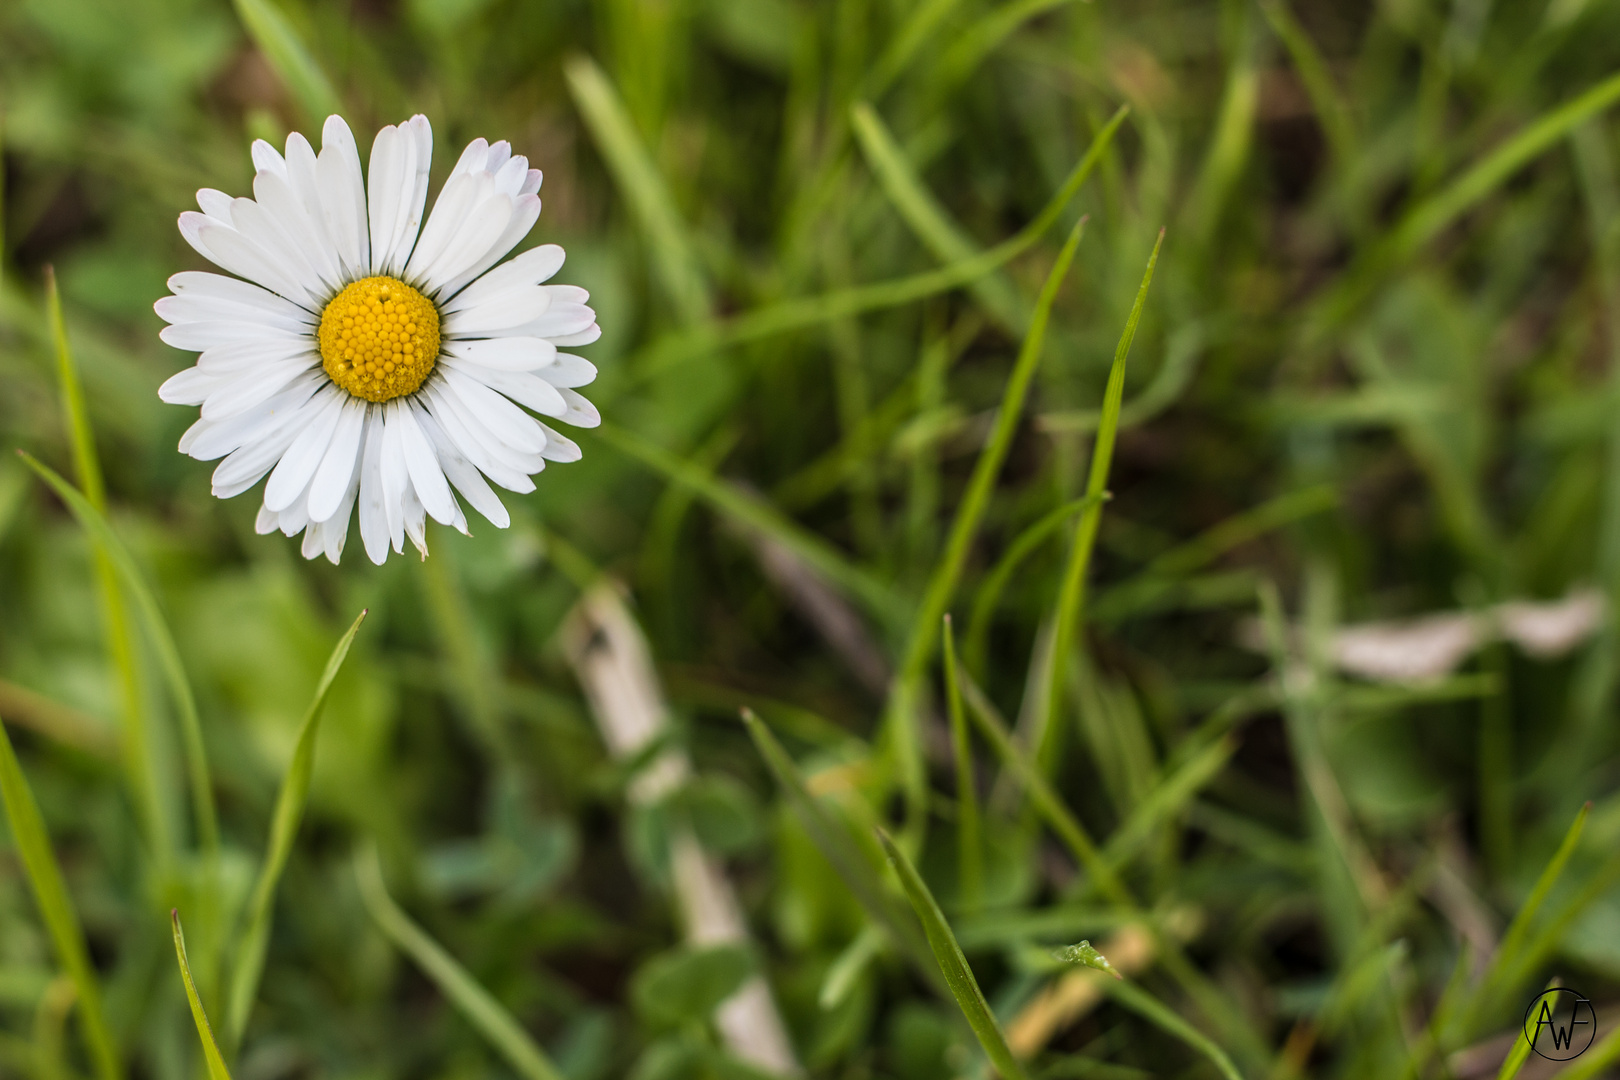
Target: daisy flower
column 362, row 356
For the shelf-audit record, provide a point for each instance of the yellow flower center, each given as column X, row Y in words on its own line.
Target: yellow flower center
column 379, row 338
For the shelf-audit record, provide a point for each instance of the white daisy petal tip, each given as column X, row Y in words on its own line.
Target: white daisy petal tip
column 368, row 356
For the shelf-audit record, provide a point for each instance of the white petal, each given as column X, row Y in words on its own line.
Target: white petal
column 267, row 160
column 204, row 309
column 247, row 465
column 301, row 178
column 291, row 254
column 197, row 336
column 267, row 522
column 584, row 337
column 559, row 322
column 502, row 313
column 231, row 250
column 521, row 386
column 581, row 413
column 559, row 447
column 471, row 160
column 215, row 204
column 335, row 529
column 530, row 268
column 373, row 516
column 189, row 387
column 398, row 187
column 415, row 521
column 343, row 197
column 239, row 359
column 426, row 475
column 505, row 353
column 218, row 438
column 569, row 371
column 243, row 392
column 502, row 419
column 314, row 541
column 297, row 466
column 199, row 286
column 505, row 466
column 341, row 463
column 276, row 198
column 395, row 475
column 525, row 212
column 463, row 474
column 485, row 225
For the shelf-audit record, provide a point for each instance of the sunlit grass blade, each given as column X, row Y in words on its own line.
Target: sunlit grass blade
column 474, row 1002
column 248, row 963
column 976, row 648
column 754, row 513
column 139, row 764
column 33, row 846
column 205, row 1030
column 202, row 792
column 1150, row 1008
column 970, row 853
column 1509, row 953
column 796, row 314
column 958, row 976
column 1051, row 808
column 669, row 247
column 1231, row 140
column 1515, row 1059
column 291, row 59
column 837, row 847
column 928, row 220
column 1072, row 593
column 899, row 716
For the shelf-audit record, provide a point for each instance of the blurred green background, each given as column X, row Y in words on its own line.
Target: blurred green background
column 1375, row 379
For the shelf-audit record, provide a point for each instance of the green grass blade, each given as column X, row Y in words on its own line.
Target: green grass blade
column 754, row 513
column 1515, row 1059
column 475, row 1003
column 205, row 1031
column 899, row 717
column 291, row 59
column 248, row 964
column 202, row 792
column 614, row 132
column 903, row 47
column 976, row 649
column 1058, row 817
column 1331, row 111
column 139, row 765
column 1510, row 954
column 796, row 314
column 1154, row 1011
column 1165, row 800
column 55, row 906
column 970, row 853
column 836, row 845
column 928, row 220
column 1229, row 145
column 948, row 954
column 1072, row 593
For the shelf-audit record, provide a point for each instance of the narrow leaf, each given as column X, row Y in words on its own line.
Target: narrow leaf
column 55, row 906
column 290, row 58
column 970, row 854
column 1156, row 1012
column 465, row 993
column 202, row 792
column 958, row 976
column 249, row 960
column 205, row 1031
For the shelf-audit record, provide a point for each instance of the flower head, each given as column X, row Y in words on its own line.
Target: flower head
column 362, row 357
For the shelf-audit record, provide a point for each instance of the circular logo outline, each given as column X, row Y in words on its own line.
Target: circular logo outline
column 1543, row 1009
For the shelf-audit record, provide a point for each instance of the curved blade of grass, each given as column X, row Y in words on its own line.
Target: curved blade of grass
column 139, row 766
column 970, row 855
column 976, row 649
column 205, row 1031
column 475, row 1003
column 55, row 906
column 757, row 514
column 948, row 954
column 928, row 220
column 248, row 965
column 1072, row 593
column 280, row 44
column 202, row 792
column 899, row 716
column 1157, row 1013
column 795, row 314
column 615, row 135
column 837, row 847
column 1509, row 954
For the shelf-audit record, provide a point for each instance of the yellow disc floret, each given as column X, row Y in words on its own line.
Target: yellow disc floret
column 379, row 338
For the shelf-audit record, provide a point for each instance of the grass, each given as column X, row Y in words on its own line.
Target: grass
column 863, row 269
